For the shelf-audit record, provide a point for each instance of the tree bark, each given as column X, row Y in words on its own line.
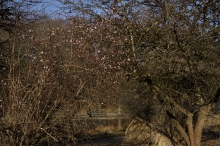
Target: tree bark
column 194, row 136
column 182, row 132
column 191, row 129
column 202, row 116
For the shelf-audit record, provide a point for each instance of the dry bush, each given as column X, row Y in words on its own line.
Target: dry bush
column 105, row 129
column 39, row 100
column 36, row 111
column 49, row 79
column 212, row 120
column 139, row 133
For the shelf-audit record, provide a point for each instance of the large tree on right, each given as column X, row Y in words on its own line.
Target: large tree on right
column 174, row 60
column 176, row 63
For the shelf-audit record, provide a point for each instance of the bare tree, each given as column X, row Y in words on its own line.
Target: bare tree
column 54, row 72
column 173, row 47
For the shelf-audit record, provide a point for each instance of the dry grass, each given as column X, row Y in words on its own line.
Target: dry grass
column 139, row 133
column 212, row 120
column 105, row 129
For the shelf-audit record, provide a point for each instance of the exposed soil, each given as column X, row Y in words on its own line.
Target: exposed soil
column 115, row 139
column 210, row 138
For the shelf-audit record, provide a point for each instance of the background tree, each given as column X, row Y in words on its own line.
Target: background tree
column 14, row 17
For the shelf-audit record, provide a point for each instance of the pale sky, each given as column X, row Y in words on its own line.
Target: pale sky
column 52, row 8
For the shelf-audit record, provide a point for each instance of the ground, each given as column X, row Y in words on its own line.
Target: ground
column 210, row 138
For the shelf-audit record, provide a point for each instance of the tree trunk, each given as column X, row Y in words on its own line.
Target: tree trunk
column 202, row 116
column 191, row 129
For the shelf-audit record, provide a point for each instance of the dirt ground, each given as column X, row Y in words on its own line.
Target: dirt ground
column 210, row 138
column 115, row 139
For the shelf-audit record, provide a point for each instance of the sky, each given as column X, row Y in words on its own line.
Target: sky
column 51, row 7
column 54, row 9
